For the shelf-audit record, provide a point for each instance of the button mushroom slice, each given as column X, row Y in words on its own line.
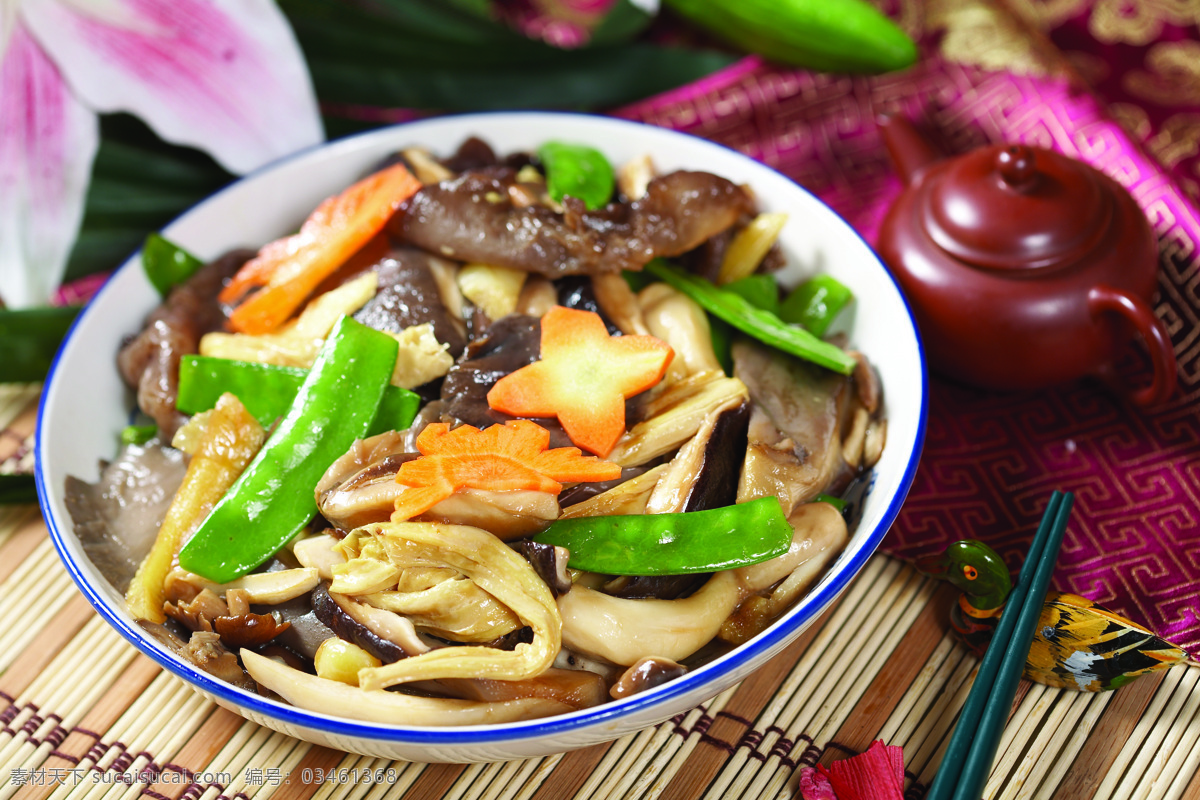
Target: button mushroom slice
column 625, row 631
column 644, row 675
column 799, row 412
column 680, row 322
column 337, row 699
column 495, row 569
column 702, row 475
column 819, row 535
column 675, row 415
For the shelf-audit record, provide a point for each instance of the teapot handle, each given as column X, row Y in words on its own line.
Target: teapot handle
column 1103, row 299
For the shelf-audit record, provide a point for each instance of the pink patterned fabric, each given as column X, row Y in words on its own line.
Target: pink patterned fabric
column 991, row 460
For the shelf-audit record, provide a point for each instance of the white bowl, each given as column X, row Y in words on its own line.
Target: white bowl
column 85, row 406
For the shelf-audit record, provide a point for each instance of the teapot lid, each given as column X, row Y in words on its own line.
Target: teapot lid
column 1016, row 207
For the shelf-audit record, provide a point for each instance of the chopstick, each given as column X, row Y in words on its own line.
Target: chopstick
column 968, row 759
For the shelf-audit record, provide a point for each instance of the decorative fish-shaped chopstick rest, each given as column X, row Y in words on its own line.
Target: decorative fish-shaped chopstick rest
column 1078, row 644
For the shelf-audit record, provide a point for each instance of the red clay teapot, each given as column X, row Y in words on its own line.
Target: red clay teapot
column 1024, row 268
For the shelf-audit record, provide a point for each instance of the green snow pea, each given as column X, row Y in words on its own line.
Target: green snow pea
column 579, row 171
column 166, row 263
column 816, row 303
column 273, row 499
column 267, row 391
column 762, row 325
column 761, row 291
column 674, row 544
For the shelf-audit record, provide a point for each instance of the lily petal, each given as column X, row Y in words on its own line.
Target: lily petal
column 47, row 143
column 226, row 76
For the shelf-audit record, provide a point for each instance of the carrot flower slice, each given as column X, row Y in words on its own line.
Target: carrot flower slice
column 289, row 269
column 508, row 457
column 583, row 378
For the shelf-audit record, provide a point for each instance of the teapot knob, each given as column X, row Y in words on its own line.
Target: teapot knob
column 1016, row 167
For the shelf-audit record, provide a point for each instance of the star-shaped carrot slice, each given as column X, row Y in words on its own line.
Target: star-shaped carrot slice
column 501, row 458
column 583, row 378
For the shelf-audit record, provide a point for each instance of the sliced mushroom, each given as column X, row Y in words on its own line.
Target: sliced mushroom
column 374, row 705
column 645, row 674
column 508, row 515
column 625, row 631
column 799, row 412
column 629, row 497
column 319, row 552
column 819, row 534
column 675, row 415
column 360, row 486
column 385, row 635
column 537, row 297
column 702, row 475
column 619, row 303
column 198, row 613
column 680, row 322
column 549, row 562
column 265, row 588
column 248, row 630
column 571, row 687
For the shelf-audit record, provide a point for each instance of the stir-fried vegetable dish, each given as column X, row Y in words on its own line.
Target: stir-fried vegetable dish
column 487, row 438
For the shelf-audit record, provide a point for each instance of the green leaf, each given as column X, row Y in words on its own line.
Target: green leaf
column 17, row 489
column 31, row 338
column 139, row 184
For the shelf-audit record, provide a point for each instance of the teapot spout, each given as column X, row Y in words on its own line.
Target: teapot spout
column 910, row 151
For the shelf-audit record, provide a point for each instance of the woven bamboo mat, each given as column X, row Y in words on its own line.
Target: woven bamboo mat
column 84, row 715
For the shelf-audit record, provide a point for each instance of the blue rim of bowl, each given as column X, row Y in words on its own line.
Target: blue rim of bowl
column 802, row 614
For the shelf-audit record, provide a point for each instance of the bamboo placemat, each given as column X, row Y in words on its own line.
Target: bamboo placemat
column 84, row 715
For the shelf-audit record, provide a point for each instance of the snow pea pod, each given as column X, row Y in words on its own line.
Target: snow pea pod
column 762, row 325
column 815, row 303
column 267, row 391
column 674, row 544
column 273, row 499
column 166, row 263
column 578, row 171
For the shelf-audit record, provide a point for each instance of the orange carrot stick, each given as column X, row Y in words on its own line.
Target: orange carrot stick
column 289, row 269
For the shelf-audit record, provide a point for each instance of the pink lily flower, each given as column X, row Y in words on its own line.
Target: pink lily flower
column 225, row 76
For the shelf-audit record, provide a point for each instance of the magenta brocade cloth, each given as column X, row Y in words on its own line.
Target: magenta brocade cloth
column 991, row 460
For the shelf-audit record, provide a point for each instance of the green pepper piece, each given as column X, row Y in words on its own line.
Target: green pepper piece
column 762, row 325
column 273, row 499
column 166, row 263
column 816, row 303
column 674, row 544
column 31, row 338
column 578, row 171
column 138, row 434
column 761, row 291
column 267, row 391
